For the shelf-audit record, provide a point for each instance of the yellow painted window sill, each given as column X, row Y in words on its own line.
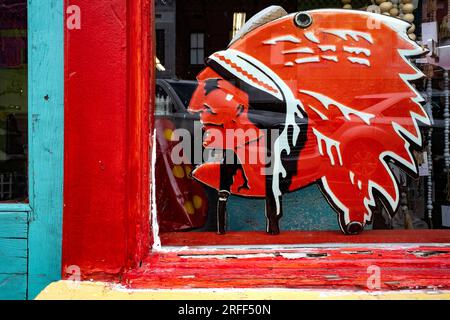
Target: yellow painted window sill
column 68, row 290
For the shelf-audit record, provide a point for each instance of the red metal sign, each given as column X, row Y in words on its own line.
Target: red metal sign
column 325, row 96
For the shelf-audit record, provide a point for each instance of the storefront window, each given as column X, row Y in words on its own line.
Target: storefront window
column 358, row 145
column 13, row 101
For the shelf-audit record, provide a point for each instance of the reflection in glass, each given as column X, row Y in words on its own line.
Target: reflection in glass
column 196, row 29
column 13, row 101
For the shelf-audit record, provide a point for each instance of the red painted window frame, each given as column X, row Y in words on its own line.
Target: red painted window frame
column 108, row 72
column 109, row 88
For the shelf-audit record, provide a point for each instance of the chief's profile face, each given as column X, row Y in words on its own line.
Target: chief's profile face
column 223, row 108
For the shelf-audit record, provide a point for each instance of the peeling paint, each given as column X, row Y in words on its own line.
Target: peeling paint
column 424, row 254
column 364, row 252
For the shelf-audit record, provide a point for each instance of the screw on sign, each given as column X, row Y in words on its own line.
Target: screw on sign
column 339, row 95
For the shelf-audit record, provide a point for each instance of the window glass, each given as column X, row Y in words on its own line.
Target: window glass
column 197, row 47
column 13, row 101
column 184, row 91
column 161, row 46
column 358, row 150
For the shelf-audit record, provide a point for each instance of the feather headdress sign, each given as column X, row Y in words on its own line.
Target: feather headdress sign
column 334, row 85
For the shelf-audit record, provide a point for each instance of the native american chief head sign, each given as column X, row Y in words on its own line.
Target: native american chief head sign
column 326, row 95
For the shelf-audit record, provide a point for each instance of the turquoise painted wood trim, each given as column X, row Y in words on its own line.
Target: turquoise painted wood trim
column 46, row 125
column 13, row 243
column 13, row 225
column 13, row 286
column 13, row 255
column 14, row 207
